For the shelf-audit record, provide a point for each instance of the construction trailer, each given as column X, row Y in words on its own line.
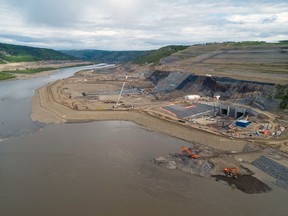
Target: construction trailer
column 242, row 123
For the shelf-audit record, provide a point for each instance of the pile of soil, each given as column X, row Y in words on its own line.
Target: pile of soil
column 246, row 183
column 200, row 167
column 210, row 165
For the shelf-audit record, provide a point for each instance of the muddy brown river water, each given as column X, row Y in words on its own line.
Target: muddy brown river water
column 105, row 168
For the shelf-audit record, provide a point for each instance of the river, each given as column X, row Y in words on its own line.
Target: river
column 103, row 168
column 15, row 101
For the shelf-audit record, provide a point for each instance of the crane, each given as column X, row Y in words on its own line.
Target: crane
column 117, row 103
column 183, row 148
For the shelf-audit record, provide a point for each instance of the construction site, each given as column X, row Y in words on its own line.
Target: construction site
column 237, row 111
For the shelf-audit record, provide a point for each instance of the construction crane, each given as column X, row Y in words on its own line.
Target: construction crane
column 231, row 172
column 183, row 148
column 117, row 103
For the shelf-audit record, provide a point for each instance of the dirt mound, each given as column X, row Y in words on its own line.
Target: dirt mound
column 246, row 183
column 199, row 167
column 208, row 168
column 210, row 163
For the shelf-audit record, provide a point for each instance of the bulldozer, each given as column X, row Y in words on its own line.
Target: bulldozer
column 231, row 172
column 183, row 148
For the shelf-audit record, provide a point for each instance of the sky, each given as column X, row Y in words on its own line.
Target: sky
column 139, row 24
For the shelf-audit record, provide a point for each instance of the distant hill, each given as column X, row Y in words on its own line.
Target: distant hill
column 156, row 55
column 233, row 57
column 16, row 53
column 100, row 56
column 138, row 57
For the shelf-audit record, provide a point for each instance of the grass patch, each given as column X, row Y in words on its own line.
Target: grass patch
column 30, row 70
column 23, row 58
column 5, row 76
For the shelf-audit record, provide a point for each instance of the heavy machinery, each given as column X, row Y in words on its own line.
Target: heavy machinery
column 119, row 97
column 231, row 172
column 183, row 148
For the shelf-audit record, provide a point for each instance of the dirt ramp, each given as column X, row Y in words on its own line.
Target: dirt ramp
column 246, row 183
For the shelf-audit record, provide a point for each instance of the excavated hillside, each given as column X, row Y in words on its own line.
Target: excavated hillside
column 256, row 94
column 262, row 63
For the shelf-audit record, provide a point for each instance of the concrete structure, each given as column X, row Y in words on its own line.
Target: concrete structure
column 232, row 111
column 195, row 111
column 192, row 97
column 239, row 112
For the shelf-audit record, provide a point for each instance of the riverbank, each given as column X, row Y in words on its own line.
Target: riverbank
column 45, row 108
column 10, row 70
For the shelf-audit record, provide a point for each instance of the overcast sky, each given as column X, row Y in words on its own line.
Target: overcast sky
column 139, row 24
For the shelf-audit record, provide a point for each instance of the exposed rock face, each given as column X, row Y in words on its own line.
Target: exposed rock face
column 251, row 93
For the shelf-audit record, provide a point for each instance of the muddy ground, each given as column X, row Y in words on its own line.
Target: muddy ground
column 210, row 164
column 246, row 183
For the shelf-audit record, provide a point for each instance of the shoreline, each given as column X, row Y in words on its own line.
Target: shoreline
column 47, row 107
column 47, row 110
column 42, row 64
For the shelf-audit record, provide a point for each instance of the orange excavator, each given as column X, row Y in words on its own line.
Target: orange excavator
column 183, row 148
column 231, row 172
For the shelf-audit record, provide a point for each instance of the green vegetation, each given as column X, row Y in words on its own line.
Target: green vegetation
column 24, row 58
column 282, row 93
column 155, row 56
column 30, row 70
column 15, row 53
column 4, row 76
column 249, row 43
column 283, row 41
column 138, row 57
column 101, row 56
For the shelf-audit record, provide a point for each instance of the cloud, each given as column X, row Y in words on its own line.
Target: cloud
column 139, row 24
column 47, row 12
column 19, row 38
column 252, row 18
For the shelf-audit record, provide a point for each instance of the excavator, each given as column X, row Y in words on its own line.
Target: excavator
column 183, row 148
column 231, row 172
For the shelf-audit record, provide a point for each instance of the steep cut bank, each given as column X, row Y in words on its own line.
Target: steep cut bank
column 255, row 94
